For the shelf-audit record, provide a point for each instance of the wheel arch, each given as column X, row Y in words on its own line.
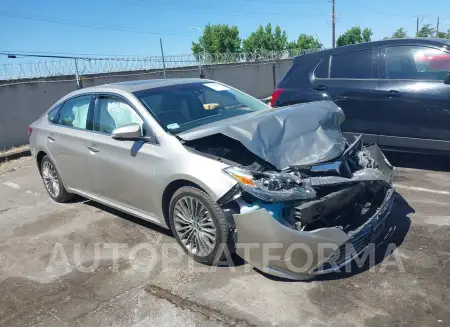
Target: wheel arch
column 39, row 156
column 170, row 190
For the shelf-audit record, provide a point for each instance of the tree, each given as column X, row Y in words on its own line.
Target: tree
column 443, row 35
column 426, row 31
column 354, row 35
column 218, row 38
column 399, row 34
column 266, row 39
column 305, row 41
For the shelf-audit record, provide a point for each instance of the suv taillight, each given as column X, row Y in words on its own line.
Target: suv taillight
column 276, row 93
column 30, row 130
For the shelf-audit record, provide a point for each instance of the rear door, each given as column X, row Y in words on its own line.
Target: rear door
column 67, row 141
column 416, row 102
column 350, row 79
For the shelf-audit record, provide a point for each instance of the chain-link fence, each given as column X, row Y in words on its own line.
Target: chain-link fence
column 20, row 68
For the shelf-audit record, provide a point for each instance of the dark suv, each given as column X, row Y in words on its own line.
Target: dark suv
column 394, row 92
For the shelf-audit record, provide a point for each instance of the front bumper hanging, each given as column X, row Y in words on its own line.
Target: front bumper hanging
column 280, row 250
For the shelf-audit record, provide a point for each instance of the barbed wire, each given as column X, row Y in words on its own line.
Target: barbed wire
column 23, row 68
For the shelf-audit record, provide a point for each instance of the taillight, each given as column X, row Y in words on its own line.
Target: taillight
column 275, row 96
column 30, row 130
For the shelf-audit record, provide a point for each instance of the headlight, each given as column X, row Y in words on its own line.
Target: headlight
column 271, row 187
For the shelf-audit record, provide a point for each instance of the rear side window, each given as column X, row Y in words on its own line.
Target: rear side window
column 322, row 70
column 74, row 112
column 356, row 64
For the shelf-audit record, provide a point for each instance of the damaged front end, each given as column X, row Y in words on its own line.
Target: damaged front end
column 309, row 215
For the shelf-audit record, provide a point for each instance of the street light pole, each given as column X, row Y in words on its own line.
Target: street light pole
column 333, row 25
column 204, row 50
column 162, row 56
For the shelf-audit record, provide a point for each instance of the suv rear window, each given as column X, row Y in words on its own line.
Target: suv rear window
column 356, row 64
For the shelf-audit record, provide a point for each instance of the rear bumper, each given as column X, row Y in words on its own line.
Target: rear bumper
column 284, row 252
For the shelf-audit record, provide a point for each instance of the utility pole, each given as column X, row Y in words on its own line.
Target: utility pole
column 417, row 27
column 437, row 28
column 333, row 25
column 162, row 56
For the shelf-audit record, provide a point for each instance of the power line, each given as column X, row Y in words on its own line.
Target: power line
column 287, row 2
column 217, row 11
column 22, row 52
column 376, row 11
column 89, row 25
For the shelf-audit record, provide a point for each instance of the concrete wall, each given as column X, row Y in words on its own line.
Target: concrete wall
column 22, row 102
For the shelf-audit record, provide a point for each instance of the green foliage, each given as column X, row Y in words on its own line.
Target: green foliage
column 426, row 31
column 266, row 39
column 399, row 34
column 354, row 35
column 218, row 38
column 443, row 35
column 305, row 41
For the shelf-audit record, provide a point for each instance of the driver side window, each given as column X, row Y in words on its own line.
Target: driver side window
column 111, row 112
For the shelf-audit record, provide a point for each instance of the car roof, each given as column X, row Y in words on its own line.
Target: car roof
column 133, row 86
column 139, row 85
column 366, row 45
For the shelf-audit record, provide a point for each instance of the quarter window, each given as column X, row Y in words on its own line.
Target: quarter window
column 322, row 70
column 415, row 62
column 112, row 112
column 74, row 112
column 53, row 114
column 356, row 64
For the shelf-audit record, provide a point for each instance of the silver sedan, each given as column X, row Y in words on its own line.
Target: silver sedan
column 221, row 169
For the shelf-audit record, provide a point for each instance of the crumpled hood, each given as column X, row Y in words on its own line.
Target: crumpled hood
column 302, row 134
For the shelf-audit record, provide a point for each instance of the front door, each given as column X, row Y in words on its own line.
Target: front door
column 352, row 83
column 123, row 171
column 67, row 141
column 416, row 106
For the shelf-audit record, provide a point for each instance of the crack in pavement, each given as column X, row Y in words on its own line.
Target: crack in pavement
column 184, row 303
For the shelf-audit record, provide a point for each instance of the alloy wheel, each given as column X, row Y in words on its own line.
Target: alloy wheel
column 51, row 179
column 194, row 226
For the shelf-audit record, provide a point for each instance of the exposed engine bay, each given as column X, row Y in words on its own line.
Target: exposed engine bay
column 344, row 192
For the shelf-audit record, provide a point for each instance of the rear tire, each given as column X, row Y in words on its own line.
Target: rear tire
column 199, row 226
column 52, row 181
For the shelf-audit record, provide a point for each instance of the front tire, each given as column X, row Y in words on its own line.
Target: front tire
column 199, row 225
column 52, row 181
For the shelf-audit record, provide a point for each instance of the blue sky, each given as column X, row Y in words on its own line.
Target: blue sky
column 134, row 26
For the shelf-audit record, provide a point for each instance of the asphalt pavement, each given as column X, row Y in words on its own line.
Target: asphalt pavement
column 83, row 264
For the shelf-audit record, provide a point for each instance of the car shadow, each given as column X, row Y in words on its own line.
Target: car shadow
column 419, row 161
column 397, row 226
column 130, row 218
column 236, row 260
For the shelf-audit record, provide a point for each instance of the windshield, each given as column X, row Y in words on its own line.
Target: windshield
column 186, row 106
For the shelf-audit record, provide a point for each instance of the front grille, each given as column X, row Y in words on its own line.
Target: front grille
column 348, row 250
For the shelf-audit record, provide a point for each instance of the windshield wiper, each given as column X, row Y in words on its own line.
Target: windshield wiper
column 237, row 106
column 196, row 120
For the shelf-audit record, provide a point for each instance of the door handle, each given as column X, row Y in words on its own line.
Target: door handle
column 320, row 88
column 93, row 148
column 394, row 93
column 51, row 138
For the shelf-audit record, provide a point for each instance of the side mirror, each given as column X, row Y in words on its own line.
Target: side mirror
column 131, row 132
column 447, row 78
